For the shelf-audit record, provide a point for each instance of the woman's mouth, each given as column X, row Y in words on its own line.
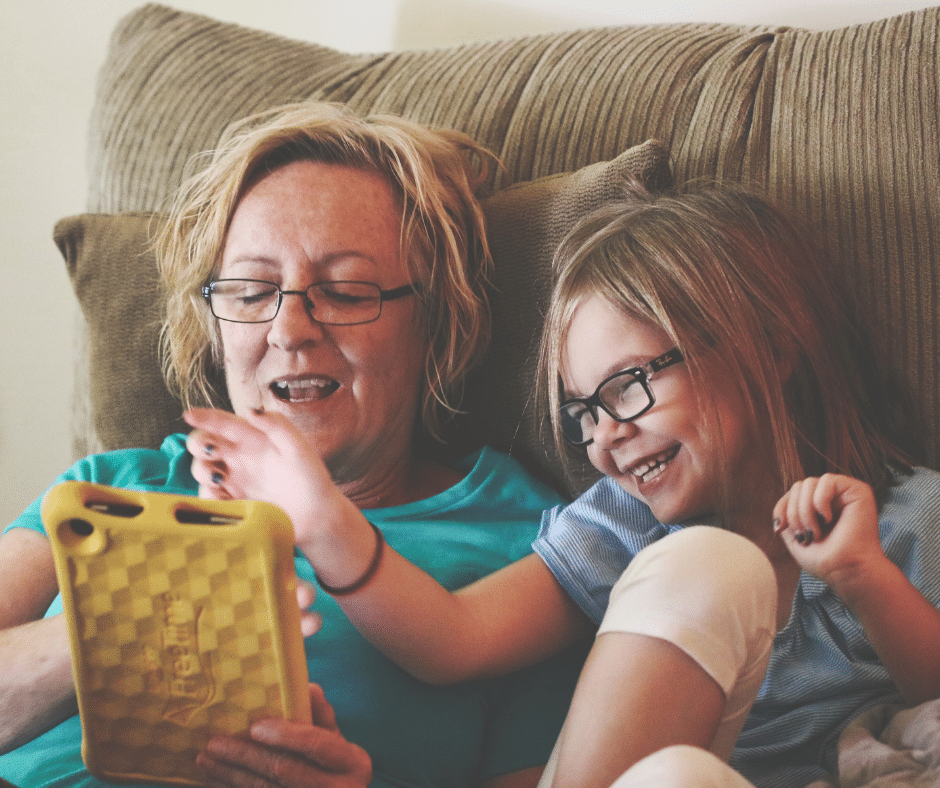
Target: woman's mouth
column 651, row 467
column 303, row 389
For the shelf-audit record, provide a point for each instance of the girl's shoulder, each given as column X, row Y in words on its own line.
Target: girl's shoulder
column 917, row 488
column 909, row 518
column 608, row 512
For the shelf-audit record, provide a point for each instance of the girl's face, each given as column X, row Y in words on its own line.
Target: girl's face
column 672, row 456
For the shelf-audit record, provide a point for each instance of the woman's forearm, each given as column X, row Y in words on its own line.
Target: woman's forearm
column 37, row 690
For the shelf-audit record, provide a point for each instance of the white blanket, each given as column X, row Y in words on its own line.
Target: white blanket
column 891, row 747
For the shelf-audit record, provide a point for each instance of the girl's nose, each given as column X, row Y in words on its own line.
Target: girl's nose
column 294, row 324
column 609, row 431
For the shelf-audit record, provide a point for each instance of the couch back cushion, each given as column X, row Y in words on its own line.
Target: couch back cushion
column 842, row 125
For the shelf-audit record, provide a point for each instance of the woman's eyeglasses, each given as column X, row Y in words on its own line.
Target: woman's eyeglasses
column 330, row 303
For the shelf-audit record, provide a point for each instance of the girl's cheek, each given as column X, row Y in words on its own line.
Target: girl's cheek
column 600, row 460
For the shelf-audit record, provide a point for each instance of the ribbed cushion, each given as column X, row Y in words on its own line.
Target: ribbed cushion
column 841, row 124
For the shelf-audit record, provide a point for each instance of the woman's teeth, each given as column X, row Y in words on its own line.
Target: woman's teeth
column 650, row 469
column 302, row 390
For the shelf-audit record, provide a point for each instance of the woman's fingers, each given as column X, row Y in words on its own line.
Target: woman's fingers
column 289, row 754
column 310, row 622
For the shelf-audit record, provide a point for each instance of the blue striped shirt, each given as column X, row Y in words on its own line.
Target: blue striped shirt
column 823, row 672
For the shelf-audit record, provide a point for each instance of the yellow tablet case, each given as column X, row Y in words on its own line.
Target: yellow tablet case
column 183, row 622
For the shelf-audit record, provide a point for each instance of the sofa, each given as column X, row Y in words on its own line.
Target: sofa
column 841, row 125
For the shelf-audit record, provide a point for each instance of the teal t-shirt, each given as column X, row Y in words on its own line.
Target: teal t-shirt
column 417, row 734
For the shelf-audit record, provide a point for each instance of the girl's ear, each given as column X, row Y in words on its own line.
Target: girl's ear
column 786, row 358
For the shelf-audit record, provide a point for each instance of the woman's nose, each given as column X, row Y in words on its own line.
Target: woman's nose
column 294, row 324
column 609, row 431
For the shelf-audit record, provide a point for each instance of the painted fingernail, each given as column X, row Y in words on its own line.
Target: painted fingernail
column 258, row 411
column 209, row 449
column 800, row 537
column 217, row 477
column 810, row 536
column 778, row 525
column 821, row 520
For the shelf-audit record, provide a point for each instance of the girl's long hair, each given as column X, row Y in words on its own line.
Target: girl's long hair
column 729, row 275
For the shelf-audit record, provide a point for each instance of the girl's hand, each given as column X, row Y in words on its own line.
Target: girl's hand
column 830, row 526
column 288, row 754
column 263, row 457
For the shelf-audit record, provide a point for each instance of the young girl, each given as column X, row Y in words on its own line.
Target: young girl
column 696, row 352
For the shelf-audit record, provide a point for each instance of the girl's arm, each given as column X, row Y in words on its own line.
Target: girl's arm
column 36, row 686
column 830, row 526
column 514, row 617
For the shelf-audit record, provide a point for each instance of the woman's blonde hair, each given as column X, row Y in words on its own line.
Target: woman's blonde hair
column 434, row 174
column 723, row 271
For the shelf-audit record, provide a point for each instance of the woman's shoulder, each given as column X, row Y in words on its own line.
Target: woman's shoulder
column 160, row 470
column 493, row 472
column 164, row 468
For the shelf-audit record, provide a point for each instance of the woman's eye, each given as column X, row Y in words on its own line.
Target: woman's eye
column 340, row 297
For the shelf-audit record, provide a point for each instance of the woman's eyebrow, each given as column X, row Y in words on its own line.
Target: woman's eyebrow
column 324, row 261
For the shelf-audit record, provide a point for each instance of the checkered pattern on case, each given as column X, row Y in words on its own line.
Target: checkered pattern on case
column 163, row 666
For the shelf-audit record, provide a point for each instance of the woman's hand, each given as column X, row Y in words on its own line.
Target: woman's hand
column 288, row 754
column 830, row 526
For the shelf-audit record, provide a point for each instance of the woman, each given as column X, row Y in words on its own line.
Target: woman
column 329, row 270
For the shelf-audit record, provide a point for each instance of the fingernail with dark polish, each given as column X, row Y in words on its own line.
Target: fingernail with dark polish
column 800, row 537
column 209, row 449
column 217, row 477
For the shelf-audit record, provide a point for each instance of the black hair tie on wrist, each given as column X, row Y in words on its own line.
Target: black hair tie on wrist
column 367, row 576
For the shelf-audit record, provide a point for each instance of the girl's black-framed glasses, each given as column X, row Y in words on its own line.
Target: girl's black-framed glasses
column 624, row 396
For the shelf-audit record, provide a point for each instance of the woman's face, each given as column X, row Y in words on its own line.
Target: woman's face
column 671, row 457
column 353, row 389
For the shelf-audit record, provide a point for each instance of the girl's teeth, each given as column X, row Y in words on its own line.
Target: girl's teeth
column 650, row 470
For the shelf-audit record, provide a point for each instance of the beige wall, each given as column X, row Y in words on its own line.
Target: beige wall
column 50, row 51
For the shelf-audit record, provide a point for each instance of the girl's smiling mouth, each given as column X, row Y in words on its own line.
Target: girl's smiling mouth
column 651, row 467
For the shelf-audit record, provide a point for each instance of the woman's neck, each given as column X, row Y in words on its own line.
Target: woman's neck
column 412, row 480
